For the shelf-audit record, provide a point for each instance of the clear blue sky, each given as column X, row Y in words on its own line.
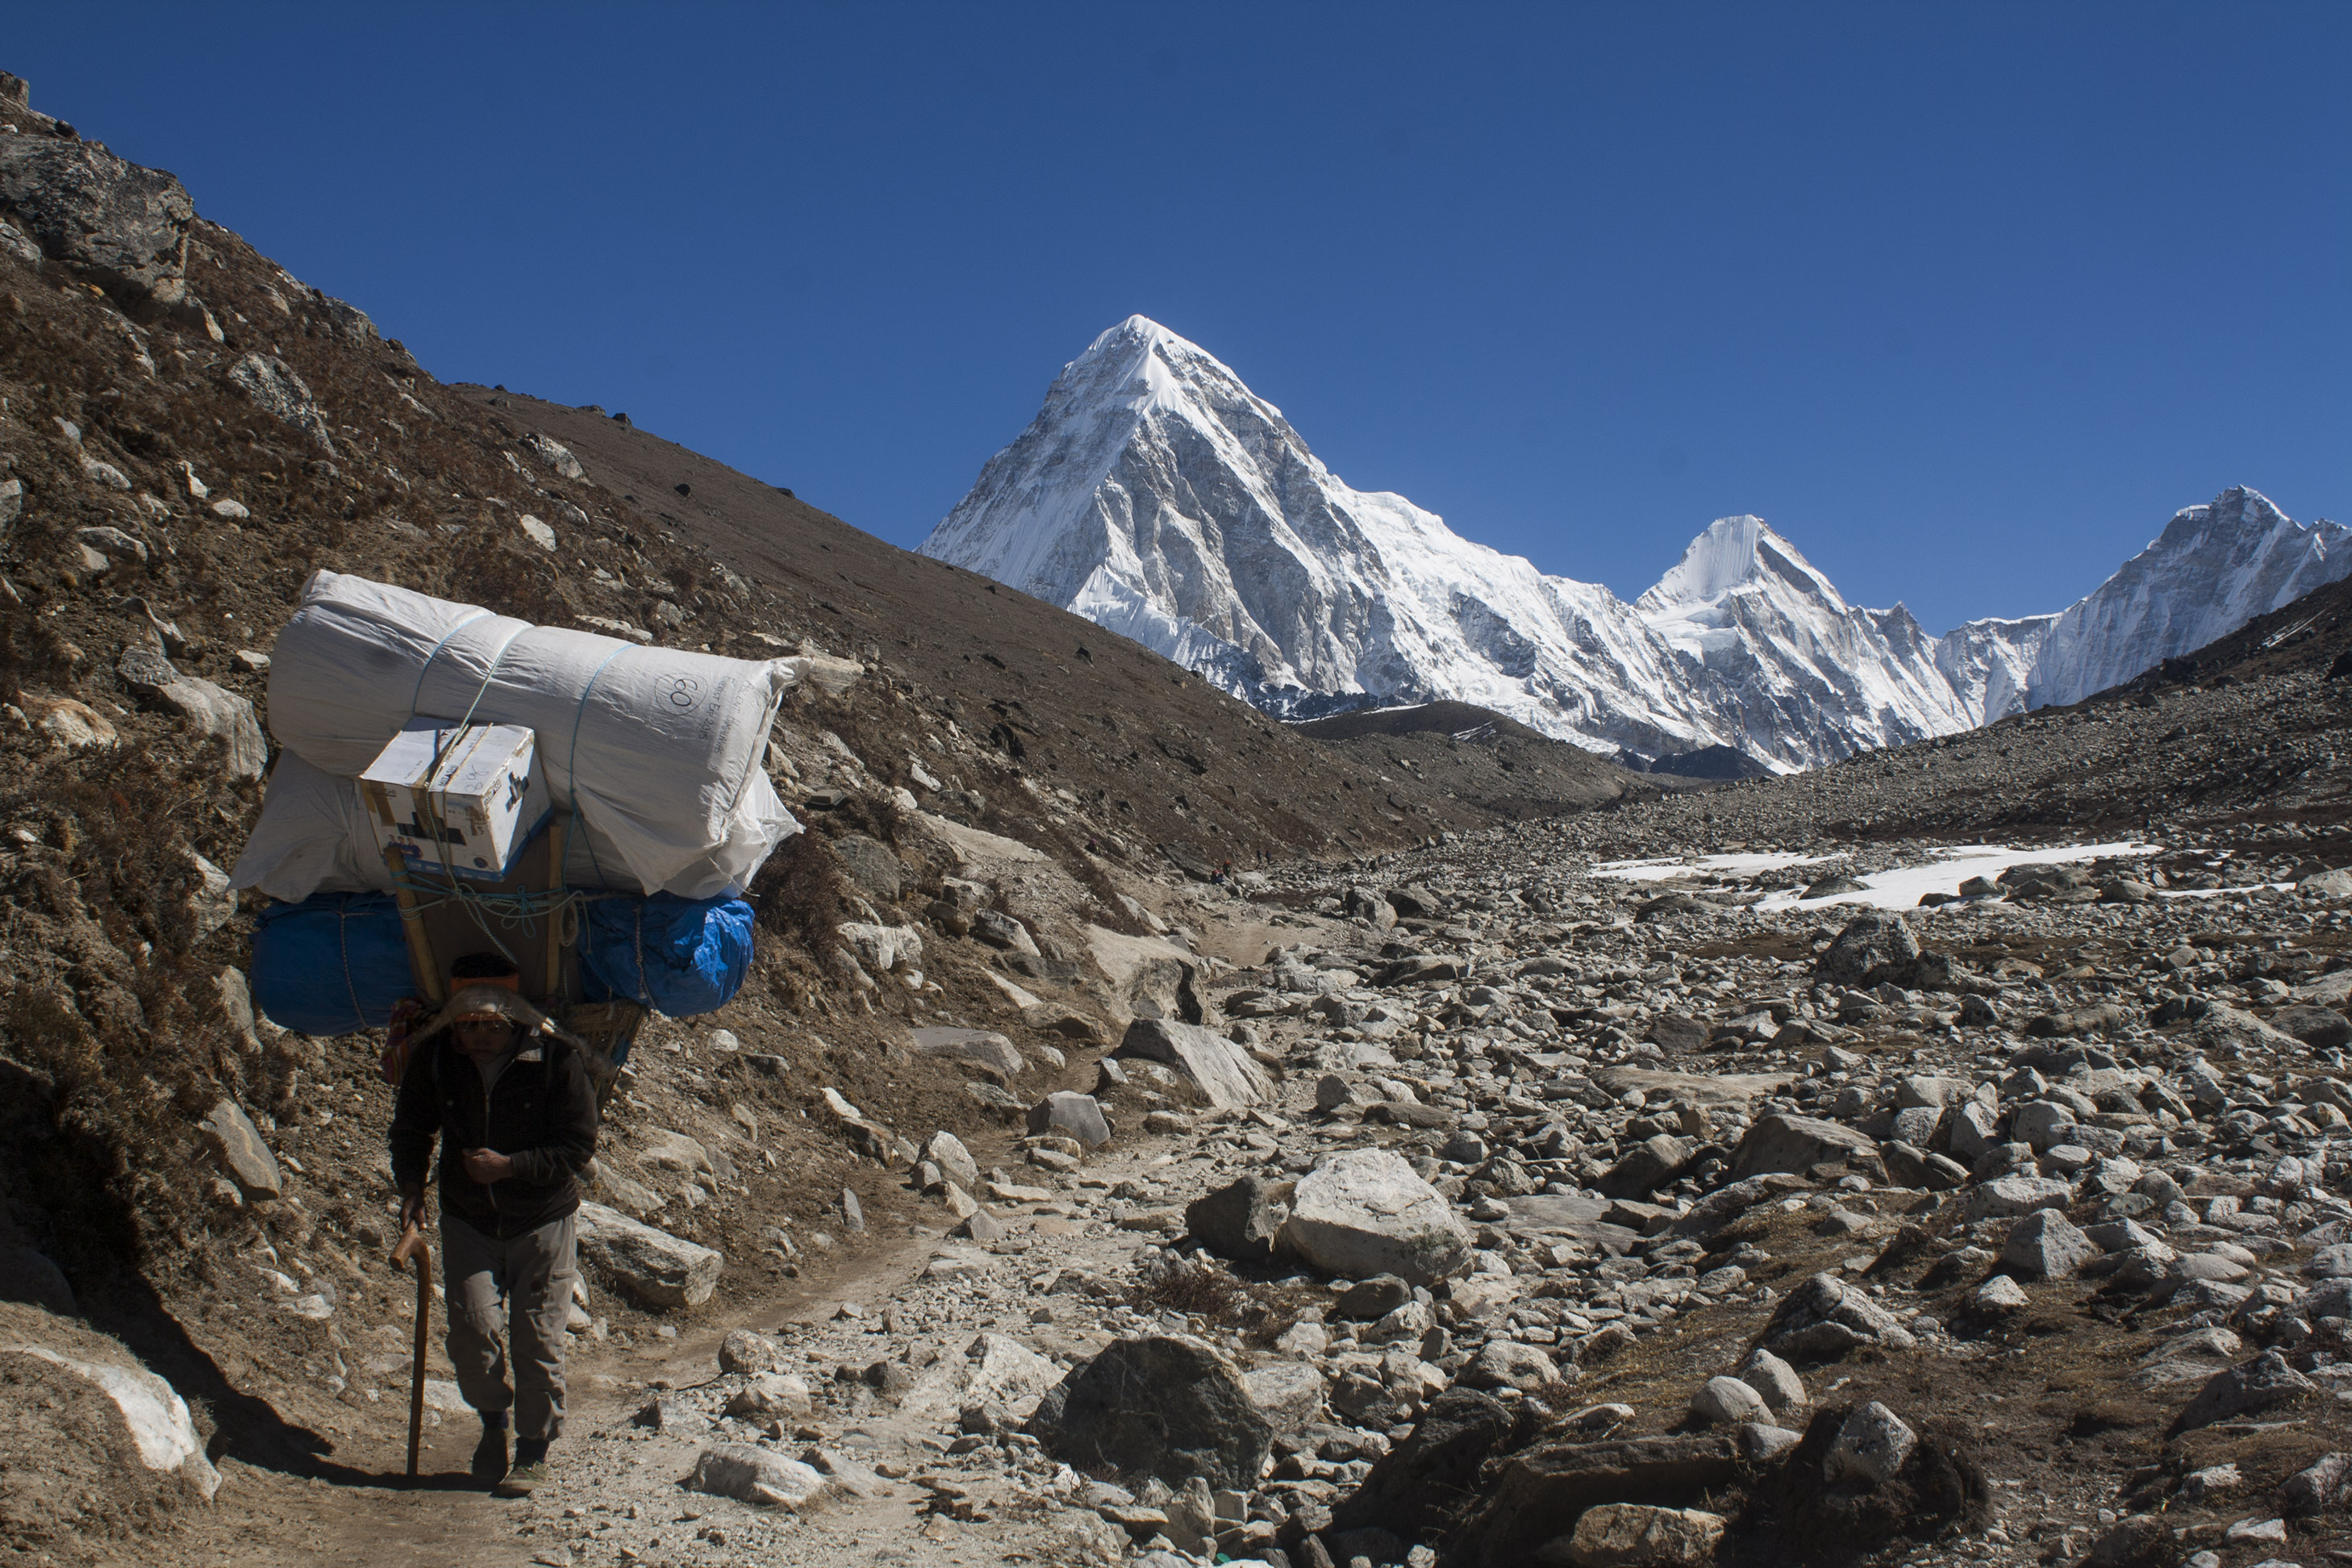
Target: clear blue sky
column 1963, row 298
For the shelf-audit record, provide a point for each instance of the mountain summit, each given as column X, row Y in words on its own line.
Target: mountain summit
column 1158, row 496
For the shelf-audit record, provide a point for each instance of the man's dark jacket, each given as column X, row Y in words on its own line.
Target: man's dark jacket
column 541, row 1115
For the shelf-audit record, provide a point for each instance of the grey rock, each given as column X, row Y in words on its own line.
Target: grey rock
column 1776, row 1380
column 1638, row 1535
column 1975, row 1127
column 1000, row 930
column 1288, row 1394
column 1729, row 1401
column 2045, row 1245
column 82, row 203
column 1870, row 1447
column 1504, row 1363
column 754, row 1474
column 236, row 1141
column 1366, row 1212
column 1876, row 940
column 770, row 1393
column 946, row 1151
column 1220, row 1071
column 1369, row 1301
column 1241, row 1219
column 1165, row 1407
column 1649, row 1166
column 546, row 448
column 1781, row 1142
column 2318, row 1485
column 1825, row 1318
column 2007, row 1197
column 744, row 1351
column 985, row 1047
column 2262, row 1384
column 654, row 1266
column 1067, row 1113
column 279, row 392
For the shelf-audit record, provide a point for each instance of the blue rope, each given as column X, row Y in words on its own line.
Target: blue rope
column 417, row 695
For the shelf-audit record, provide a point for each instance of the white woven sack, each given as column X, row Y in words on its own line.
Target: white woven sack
column 658, row 750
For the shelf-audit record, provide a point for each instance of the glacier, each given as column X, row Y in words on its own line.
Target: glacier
column 1156, row 495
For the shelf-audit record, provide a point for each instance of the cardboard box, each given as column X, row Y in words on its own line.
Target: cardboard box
column 455, row 801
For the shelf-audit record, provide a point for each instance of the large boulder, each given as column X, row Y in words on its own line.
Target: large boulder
column 1367, row 1212
column 127, row 226
column 656, row 1269
column 1651, row 1164
column 1066, row 1113
column 1219, row 1070
column 276, row 389
column 2046, row 1244
column 1874, row 942
column 1241, row 1219
column 1795, row 1144
column 1167, row 1407
column 2264, row 1384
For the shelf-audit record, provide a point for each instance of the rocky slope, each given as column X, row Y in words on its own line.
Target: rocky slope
column 186, row 433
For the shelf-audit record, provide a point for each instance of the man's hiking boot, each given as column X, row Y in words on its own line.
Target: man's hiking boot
column 489, row 1465
column 523, row 1480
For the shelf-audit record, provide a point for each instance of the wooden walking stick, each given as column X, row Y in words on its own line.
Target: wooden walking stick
column 413, row 1250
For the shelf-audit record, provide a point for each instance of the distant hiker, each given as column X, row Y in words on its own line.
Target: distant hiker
column 506, row 1092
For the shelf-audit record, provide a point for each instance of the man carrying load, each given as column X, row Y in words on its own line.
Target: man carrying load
column 508, row 1094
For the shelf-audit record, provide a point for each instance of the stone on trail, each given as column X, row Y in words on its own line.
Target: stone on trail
column 1371, row 1300
column 1649, row 1166
column 755, row 1475
column 2046, row 1244
column 1067, row 1113
column 1167, row 1407
column 744, row 1351
column 1220, row 1071
column 946, row 1151
column 1795, row 1144
column 1870, row 1447
column 1241, row 1219
column 1367, row 1212
column 1640, row 1535
column 770, row 1393
column 655, row 1268
column 247, row 1159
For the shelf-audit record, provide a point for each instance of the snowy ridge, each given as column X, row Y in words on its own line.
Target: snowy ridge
column 2212, row 569
column 1158, row 496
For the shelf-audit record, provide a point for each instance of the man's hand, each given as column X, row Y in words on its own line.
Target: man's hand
column 487, row 1166
column 412, row 1210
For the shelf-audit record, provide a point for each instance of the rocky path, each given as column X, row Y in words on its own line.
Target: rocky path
column 1528, row 1214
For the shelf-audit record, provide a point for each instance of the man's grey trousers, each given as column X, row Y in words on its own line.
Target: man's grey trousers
column 533, row 1273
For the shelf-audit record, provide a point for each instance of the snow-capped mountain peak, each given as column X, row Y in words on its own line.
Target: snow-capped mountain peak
column 1160, row 496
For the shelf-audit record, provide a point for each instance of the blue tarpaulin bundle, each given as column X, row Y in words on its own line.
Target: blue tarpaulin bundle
column 337, row 963
column 333, row 964
column 679, row 956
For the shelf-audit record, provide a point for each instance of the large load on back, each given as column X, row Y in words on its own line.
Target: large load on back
column 656, row 750
column 621, row 786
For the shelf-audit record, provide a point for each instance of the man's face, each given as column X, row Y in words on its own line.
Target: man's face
column 484, row 1037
